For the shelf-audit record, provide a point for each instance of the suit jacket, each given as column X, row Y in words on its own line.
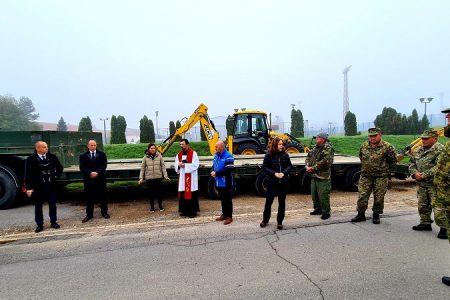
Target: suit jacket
column 33, row 177
column 89, row 165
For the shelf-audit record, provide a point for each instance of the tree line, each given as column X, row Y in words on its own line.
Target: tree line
column 20, row 114
column 392, row 122
column 17, row 114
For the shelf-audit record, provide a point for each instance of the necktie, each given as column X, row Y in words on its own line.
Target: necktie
column 92, row 155
column 42, row 157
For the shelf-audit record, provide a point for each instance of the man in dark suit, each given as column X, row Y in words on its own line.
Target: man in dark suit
column 42, row 169
column 93, row 166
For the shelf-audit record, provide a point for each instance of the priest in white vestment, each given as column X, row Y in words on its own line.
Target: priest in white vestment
column 186, row 166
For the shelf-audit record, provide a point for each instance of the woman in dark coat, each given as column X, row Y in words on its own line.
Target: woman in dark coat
column 277, row 166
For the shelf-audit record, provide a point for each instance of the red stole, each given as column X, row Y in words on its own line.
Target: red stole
column 187, row 176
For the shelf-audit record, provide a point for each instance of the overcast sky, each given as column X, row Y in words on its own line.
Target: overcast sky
column 98, row 58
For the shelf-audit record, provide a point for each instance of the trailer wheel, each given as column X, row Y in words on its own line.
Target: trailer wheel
column 247, row 149
column 213, row 193
column 8, row 190
column 261, row 183
column 352, row 179
column 305, row 183
column 293, row 148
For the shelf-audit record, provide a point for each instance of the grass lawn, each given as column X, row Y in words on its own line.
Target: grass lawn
column 342, row 144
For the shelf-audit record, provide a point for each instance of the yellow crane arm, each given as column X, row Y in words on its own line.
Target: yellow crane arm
column 199, row 115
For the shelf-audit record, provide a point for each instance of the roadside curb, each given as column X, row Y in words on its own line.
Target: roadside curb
column 300, row 217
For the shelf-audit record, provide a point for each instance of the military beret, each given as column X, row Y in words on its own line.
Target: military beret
column 323, row 135
column 374, row 131
column 429, row 133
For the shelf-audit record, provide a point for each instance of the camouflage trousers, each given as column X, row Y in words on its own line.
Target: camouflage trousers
column 320, row 194
column 367, row 185
column 425, row 204
column 441, row 200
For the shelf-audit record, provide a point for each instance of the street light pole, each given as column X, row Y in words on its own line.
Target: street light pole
column 306, row 128
column 104, row 128
column 425, row 101
column 156, row 123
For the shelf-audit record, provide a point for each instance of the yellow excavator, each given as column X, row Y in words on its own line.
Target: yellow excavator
column 414, row 145
column 251, row 133
column 199, row 115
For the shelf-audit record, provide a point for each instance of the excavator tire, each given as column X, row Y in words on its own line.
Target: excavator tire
column 293, row 148
column 247, row 149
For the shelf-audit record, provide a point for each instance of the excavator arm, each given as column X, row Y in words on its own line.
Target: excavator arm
column 199, row 115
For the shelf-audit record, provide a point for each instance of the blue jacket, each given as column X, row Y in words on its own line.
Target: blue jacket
column 223, row 165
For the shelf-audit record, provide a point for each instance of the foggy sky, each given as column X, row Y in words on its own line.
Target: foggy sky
column 98, row 58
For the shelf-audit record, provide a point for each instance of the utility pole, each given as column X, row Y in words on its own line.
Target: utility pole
column 306, row 128
column 441, row 96
column 156, row 123
column 346, row 101
column 104, row 129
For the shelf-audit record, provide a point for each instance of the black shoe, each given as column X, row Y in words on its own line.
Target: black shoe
column 161, row 208
column 316, row 212
column 87, row 218
column 263, row 224
column 325, row 216
column 106, row 216
column 152, row 209
column 39, row 228
column 280, row 226
column 360, row 217
column 446, row 280
column 442, row 234
column 55, row 225
column 422, row 227
column 376, row 218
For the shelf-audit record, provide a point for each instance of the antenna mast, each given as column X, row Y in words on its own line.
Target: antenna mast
column 346, row 102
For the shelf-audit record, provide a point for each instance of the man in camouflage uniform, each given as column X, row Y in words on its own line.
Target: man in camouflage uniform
column 318, row 163
column 422, row 170
column 377, row 158
column 442, row 183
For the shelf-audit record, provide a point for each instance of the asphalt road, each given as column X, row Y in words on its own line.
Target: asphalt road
column 310, row 259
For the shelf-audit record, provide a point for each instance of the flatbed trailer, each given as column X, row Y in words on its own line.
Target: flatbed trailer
column 16, row 146
column 246, row 167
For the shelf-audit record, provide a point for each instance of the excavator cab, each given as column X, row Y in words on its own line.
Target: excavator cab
column 250, row 132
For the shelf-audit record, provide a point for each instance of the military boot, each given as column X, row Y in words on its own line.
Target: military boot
column 376, row 218
column 360, row 217
column 442, row 234
column 316, row 212
column 446, row 280
column 422, row 227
